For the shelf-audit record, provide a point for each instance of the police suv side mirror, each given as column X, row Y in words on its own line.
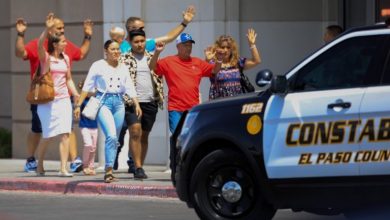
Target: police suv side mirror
column 279, row 84
column 264, row 77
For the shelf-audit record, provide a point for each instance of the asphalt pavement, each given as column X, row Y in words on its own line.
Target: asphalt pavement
column 158, row 184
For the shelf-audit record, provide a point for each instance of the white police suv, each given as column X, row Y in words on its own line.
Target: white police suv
column 317, row 139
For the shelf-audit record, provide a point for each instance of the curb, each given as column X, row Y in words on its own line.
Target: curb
column 87, row 187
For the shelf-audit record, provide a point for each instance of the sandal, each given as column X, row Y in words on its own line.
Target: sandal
column 89, row 172
column 109, row 178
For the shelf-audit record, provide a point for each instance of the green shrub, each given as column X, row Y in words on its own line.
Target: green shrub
column 5, row 143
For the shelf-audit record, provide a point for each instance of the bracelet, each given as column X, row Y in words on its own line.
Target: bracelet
column 253, row 46
column 87, row 37
column 219, row 61
column 184, row 25
column 20, row 34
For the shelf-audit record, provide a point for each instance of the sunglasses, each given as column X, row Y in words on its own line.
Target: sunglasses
column 131, row 28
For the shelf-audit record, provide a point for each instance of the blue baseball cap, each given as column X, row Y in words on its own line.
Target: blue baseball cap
column 184, row 37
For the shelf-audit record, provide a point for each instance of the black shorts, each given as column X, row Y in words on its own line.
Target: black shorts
column 149, row 112
column 36, row 126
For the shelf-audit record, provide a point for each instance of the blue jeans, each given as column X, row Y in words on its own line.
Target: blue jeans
column 110, row 118
column 174, row 118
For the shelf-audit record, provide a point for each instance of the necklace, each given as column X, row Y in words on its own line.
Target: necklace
column 225, row 66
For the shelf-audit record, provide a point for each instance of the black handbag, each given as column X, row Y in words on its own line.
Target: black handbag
column 246, row 85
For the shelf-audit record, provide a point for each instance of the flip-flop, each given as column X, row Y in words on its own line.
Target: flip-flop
column 109, row 178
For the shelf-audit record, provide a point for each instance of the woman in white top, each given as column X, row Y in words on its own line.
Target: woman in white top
column 55, row 116
column 111, row 78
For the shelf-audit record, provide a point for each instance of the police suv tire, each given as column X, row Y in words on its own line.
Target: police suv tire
column 217, row 169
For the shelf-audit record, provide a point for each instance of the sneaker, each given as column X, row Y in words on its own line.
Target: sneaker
column 76, row 165
column 131, row 169
column 140, row 174
column 31, row 165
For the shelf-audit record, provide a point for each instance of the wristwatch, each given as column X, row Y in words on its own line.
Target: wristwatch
column 87, row 37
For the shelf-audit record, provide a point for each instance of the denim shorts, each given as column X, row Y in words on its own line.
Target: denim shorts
column 36, row 126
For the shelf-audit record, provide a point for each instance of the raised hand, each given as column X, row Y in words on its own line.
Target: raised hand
column 49, row 20
column 220, row 54
column 21, row 25
column 160, row 46
column 88, row 27
column 209, row 53
column 251, row 35
column 189, row 14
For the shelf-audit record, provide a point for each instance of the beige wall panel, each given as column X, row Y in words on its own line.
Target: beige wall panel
column 5, row 46
column 281, row 10
column 33, row 11
column 20, row 108
column 5, row 13
column 6, row 123
column 170, row 10
column 79, row 10
column 281, row 44
column 332, row 10
column 114, row 11
column 19, row 139
column 76, row 35
column 5, row 97
column 131, row 8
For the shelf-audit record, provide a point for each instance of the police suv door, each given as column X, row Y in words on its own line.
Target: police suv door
column 309, row 131
column 374, row 135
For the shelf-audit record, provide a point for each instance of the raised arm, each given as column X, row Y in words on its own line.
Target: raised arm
column 188, row 15
column 41, row 49
column 21, row 26
column 153, row 62
column 88, row 31
column 218, row 63
column 255, row 59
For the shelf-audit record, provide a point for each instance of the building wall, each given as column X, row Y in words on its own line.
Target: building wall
column 5, row 68
column 287, row 32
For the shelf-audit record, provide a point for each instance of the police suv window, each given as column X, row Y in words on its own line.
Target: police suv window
column 386, row 72
column 351, row 63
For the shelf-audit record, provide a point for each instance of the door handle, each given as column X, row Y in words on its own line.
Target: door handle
column 340, row 104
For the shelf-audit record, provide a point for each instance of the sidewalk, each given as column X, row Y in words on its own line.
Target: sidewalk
column 12, row 177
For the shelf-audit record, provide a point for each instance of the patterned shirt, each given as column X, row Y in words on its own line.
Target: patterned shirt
column 226, row 82
column 131, row 62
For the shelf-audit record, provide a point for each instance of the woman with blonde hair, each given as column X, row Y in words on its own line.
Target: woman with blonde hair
column 227, row 81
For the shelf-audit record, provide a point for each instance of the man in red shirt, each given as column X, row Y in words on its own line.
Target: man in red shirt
column 30, row 52
column 183, row 74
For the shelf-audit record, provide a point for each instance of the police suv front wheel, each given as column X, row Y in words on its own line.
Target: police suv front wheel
column 223, row 187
